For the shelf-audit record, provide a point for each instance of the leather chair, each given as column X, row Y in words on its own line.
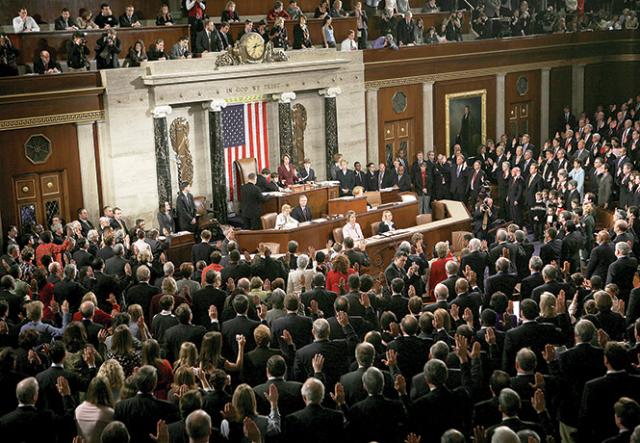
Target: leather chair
column 423, row 218
column 275, row 247
column 269, row 220
column 457, row 241
column 375, row 228
column 337, row 235
column 374, row 199
column 244, row 167
column 205, row 220
column 408, row 197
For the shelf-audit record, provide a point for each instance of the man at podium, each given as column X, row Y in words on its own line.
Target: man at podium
column 302, row 212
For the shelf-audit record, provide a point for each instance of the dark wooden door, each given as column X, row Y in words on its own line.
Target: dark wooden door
column 398, row 141
column 40, row 197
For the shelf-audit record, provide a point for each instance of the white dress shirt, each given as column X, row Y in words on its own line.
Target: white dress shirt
column 20, row 26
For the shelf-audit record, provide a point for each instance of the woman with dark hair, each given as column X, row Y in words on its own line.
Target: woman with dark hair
column 27, row 341
column 165, row 219
column 286, row 171
column 123, row 351
column 244, row 404
column 75, row 343
column 211, row 354
column 45, row 293
column 327, row 33
column 151, row 356
column 164, row 17
column 340, row 269
column 137, row 54
column 301, row 39
column 96, row 412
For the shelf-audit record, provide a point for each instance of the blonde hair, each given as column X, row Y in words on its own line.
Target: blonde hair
column 188, row 356
column 286, row 207
column 34, row 311
column 547, row 305
column 357, row 191
column 230, row 4
column 99, row 392
column 244, row 401
column 587, row 209
column 384, row 214
column 90, row 296
column 135, row 311
column 144, row 256
column 169, row 286
column 446, row 319
column 112, row 370
column 262, row 334
column 442, row 249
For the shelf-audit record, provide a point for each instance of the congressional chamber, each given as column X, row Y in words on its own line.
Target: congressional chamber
column 419, row 225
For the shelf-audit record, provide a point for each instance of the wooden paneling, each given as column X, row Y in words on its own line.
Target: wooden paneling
column 429, row 20
column 608, row 83
column 341, row 26
column 492, row 54
column 316, row 199
column 414, row 109
column 64, row 155
column 55, row 41
column 47, row 11
column 560, row 94
column 441, row 89
column 513, row 98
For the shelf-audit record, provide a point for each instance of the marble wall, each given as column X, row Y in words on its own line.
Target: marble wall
column 127, row 138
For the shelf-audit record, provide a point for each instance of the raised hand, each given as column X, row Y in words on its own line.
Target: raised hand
column 479, row 434
column 241, row 342
column 461, row 347
column 251, row 430
column 364, row 300
column 286, row 336
column 603, row 338
column 490, row 336
column 412, row 291
column 539, row 381
column 272, row 396
column 339, row 395
column 262, row 312
column 454, row 311
column 63, row 386
column 468, row 316
column 102, row 335
column 314, row 307
column 343, row 318
column 303, row 281
column 400, row 385
column 342, row 284
column 392, row 358
column 356, row 267
column 317, row 363
column 213, row 312
column 438, row 322
column 549, row 353
column 78, row 439
column 127, row 270
column 162, row 433
column 538, row 401
column 33, row 357
column 229, row 413
column 89, row 356
column 395, row 329
column 267, row 285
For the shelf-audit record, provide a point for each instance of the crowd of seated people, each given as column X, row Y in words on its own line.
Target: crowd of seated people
column 103, row 338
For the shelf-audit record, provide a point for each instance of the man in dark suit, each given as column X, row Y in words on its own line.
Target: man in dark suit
column 487, row 412
column 352, row 381
column 314, row 423
column 208, row 40
column 65, row 22
column 297, row 325
column 346, row 178
column 442, row 293
column 252, row 199
column 142, row 293
column 413, row 352
column 335, row 352
column 397, row 270
column 504, row 280
column 320, row 295
column 186, row 208
column 477, row 177
column 290, row 398
column 532, row 281
column 102, row 285
column 117, row 222
column 262, row 181
column 550, row 251
column 183, row 331
column 46, row 65
column 510, row 404
column 355, row 256
column 384, row 178
column 370, row 183
column 82, row 256
column 358, row 174
column 403, row 180
column 306, row 174
column 514, row 196
column 302, row 212
column 535, row 184
column 442, row 178
column 497, row 250
column 551, row 284
column 533, row 335
column 577, row 366
column 571, row 245
column 141, row 413
column 452, row 268
column 202, row 250
column 69, row 289
column 459, row 179
column 206, row 297
column 601, row 394
column 623, row 271
column 477, row 260
column 28, row 424
column 85, row 223
column 235, row 269
column 269, row 268
column 115, row 266
column 240, row 325
column 87, row 309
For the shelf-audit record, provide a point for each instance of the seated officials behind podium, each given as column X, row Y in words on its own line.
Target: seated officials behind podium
column 387, row 223
column 302, row 212
column 252, row 199
column 284, row 219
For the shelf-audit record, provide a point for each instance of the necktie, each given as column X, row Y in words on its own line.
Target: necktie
column 530, row 180
column 304, row 213
column 380, row 182
column 485, row 220
column 474, row 179
column 458, row 171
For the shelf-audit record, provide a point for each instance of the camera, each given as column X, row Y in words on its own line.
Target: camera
column 484, row 207
column 108, row 39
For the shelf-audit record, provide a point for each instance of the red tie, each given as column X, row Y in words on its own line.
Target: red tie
column 474, row 179
column 566, row 143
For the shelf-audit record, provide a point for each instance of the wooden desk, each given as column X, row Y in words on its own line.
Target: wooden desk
column 32, row 43
column 180, row 250
column 316, row 234
column 389, row 196
column 316, row 199
column 343, row 204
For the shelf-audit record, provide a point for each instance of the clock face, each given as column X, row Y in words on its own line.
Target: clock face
column 254, row 45
column 399, row 102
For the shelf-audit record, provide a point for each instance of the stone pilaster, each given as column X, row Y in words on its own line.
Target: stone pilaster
column 371, row 100
column 427, row 116
column 544, row 103
column 330, row 124
column 284, row 123
column 163, row 164
column 88, row 170
column 577, row 89
column 500, row 105
column 218, row 177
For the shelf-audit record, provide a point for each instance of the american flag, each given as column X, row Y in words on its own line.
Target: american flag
column 244, row 135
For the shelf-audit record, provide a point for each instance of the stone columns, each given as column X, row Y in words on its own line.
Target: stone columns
column 371, row 101
column 544, row 103
column 427, row 113
column 88, row 169
column 216, row 149
column 500, row 105
column 577, row 89
column 330, row 124
column 284, row 123
column 163, row 164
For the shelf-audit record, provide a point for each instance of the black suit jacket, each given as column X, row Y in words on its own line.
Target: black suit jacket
column 314, row 424
column 69, row 290
column 210, row 43
column 238, row 325
column 358, row 257
column 537, row 185
column 501, row 281
column 60, row 25
column 307, row 177
column 298, row 326
column 39, row 68
column 324, row 298
column 115, row 225
column 413, row 353
column 203, row 299
column 387, row 180
column 404, row 183
column 142, row 294
column 186, row 207
column 347, row 181
column 622, row 272
column 438, row 411
column 354, row 389
column 288, row 392
column 300, row 215
column 115, row 266
column 376, row 418
column 178, row 334
column 141, row 413
column 202, row 251
column 252, row 199
column 570, row 251
column 30, row 425
column 550, row 251
column 529, row 283
column 82, row 258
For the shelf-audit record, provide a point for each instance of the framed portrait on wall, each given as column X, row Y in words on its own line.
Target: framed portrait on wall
column 466, row 121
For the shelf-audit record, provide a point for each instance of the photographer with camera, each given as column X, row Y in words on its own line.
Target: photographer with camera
column 77, row 53
column 107, row 49
column 484, row 216
column 8, row 56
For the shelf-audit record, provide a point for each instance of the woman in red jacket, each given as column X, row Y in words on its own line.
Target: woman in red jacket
column 286, row 171
column 340, row 269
